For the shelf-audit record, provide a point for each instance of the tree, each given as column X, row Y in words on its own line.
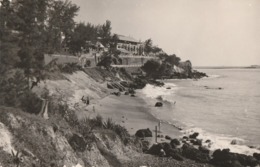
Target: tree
column 173, row 60
column 8, row 39
column 148, row 45
column 28, row 29
column 82, row 34
column 105, row 32
column 151, row 67
column 60, row 24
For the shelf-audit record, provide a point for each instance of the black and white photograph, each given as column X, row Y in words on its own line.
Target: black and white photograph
column 129, row 83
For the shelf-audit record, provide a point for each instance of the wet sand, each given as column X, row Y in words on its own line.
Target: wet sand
column 131, row 112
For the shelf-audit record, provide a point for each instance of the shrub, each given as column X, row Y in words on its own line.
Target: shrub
column 69, row 68
column 30, row 102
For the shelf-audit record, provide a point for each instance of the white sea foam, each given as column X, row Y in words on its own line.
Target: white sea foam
column 212, row 76
column 222, row 142
column 155, row 91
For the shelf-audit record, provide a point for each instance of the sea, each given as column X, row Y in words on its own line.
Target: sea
column 223, row 107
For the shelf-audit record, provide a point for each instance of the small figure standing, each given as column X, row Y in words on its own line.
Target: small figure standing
column 87, row 100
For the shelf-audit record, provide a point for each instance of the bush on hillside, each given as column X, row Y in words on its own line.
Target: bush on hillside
column 69, row 68
column 30, row 102
column 15, row 92
column 151, row 67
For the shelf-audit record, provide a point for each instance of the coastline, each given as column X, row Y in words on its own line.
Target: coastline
column 133, row 113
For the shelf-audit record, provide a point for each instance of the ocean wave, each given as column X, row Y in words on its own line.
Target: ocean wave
column 222, row 142
column 155, row 91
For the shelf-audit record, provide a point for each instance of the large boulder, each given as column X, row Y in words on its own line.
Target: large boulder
column 257, row 156
column 131, row 91
column 225, row 158
column 144, row 133
column 204, row 149
column 158, row 104
column 197, row 142
column 194, row 135
column 190, row 152
column 175, row 142
column 168, row 137
column 176, row 154
column 156, row 148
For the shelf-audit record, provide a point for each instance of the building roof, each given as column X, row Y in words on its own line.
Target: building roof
column 125, row 38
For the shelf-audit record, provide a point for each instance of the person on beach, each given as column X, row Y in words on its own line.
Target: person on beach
column 85, row 101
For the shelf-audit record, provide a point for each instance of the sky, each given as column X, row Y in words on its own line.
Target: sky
column 207, row 32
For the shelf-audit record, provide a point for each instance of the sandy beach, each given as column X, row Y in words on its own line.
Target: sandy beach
column 133, row 113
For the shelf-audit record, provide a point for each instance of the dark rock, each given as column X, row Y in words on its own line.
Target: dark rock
column 185, row 137
column 168, row 88
column 144, row 133
column 78, row 143
column 208, row 141
column 175, row 142
column 124, row 83
column 233, row 142
column 190, row 152
column 126, row 93
column 156, row 83
column 226, row 158
column 194, row 135
column 204, row 149
column 109, row 86
column 132, row 95
column 197, row 142
column 160, row 136
column 156, row 148
column 121, row 89
column 251, row 146
column 131, row 91
column 168, row 137
column 117, row 93
column 176, row 154
column 158, row 104
column 257, row 156
column 138, row 83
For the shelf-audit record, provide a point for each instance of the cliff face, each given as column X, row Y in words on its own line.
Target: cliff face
column 36, row 141
column 53, row 142
column 62, row 140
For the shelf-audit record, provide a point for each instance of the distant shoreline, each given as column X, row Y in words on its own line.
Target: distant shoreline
column 228, row 67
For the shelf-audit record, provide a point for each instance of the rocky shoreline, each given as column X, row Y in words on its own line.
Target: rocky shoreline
column 196, row 149
column 192, row 148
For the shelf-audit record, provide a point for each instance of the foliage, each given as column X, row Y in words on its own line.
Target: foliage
column 85, row 36
column 106, row 60
column 60, row 24
column 69, row 67
column 151, row 67
column 173, row 60
column 148, row 44
column 138, row 83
